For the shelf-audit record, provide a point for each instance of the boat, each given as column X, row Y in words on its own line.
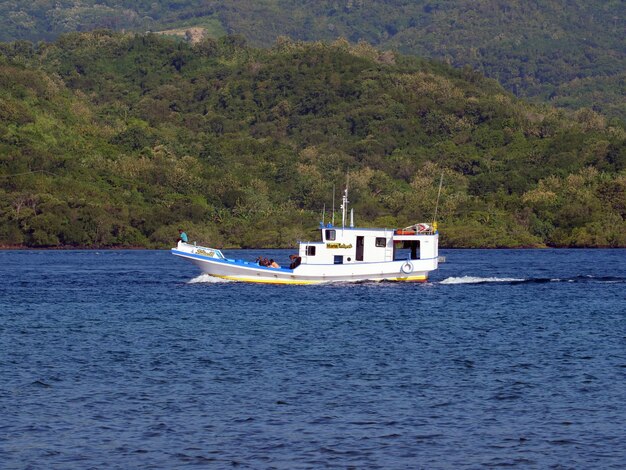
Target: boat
column 340, row 254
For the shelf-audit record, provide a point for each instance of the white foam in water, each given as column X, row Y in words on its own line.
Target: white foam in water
column 206, row 279
column 478, row 280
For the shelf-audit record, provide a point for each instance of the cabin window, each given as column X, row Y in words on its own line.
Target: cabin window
column 338, row 259
column 331, row 234
column 381, row 242
column 310, row 250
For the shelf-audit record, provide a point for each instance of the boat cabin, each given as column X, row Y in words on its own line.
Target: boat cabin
column 343, row 245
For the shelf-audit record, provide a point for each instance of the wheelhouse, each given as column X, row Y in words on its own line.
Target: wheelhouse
column 342, row 245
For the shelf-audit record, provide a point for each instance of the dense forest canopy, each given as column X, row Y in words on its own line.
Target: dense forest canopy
column 110, row 139
column 570, row 52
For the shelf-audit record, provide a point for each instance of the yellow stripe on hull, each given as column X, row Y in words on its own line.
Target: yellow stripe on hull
column 411, row 279
column 305, row 282
column 265, row 281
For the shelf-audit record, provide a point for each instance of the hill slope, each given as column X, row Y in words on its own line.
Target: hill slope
column 570, row 52
column 117, row 139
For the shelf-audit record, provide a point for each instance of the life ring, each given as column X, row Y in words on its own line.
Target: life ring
column 407, row 268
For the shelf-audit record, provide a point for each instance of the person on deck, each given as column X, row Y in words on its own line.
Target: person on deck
column 295, row 261
column 182, row 236
column 274, row 264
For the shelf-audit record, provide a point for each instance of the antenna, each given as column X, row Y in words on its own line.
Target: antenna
column 344, row 206
column 323, row 214
column 333, row 219
column 437, row 204
column 344, row 203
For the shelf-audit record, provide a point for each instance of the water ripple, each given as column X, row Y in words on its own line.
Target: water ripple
column 506, row 358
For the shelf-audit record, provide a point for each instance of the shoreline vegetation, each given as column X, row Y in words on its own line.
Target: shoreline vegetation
column 294, row 246
column 138, row 248
column 118, row 139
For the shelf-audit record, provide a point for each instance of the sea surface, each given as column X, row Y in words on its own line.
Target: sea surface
column 133, row 359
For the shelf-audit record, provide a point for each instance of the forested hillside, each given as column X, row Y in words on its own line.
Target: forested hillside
column 111, row 139
column 570, row 52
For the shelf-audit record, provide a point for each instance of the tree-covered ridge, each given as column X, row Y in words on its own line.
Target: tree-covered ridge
column 533, row 49
column 117, row 139
column 47, row 19
column 570, row 52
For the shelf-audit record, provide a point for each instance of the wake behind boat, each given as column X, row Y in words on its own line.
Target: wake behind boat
column 340, row 254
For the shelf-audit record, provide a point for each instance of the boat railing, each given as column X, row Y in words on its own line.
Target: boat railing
column 417, row 229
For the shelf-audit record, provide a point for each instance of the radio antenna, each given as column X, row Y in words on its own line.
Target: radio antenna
column 344, row 203
column 333, row 219
column 438, row 195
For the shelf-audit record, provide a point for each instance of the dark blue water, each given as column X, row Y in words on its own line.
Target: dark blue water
column 129, row 359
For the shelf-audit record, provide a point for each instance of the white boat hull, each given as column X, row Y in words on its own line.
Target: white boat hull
column 238, row 270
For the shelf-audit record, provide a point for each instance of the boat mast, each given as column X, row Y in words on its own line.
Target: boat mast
column 344, row 204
